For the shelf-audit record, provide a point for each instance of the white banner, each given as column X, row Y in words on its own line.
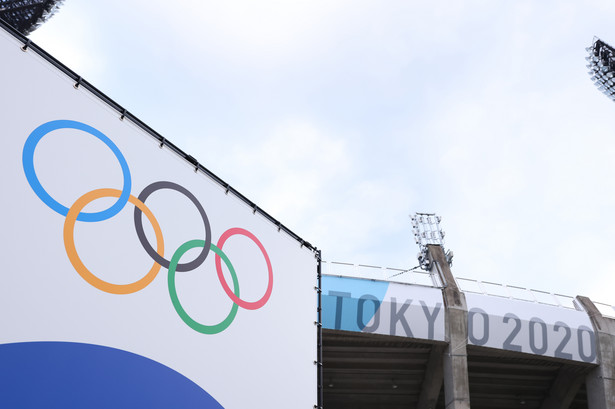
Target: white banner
column 123, row 263
column 531, row 328
column 380, row 307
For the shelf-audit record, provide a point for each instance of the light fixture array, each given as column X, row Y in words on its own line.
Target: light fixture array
column 601, row 65
column 426, row 229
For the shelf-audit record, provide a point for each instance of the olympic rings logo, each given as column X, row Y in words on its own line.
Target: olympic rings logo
column 75, row 213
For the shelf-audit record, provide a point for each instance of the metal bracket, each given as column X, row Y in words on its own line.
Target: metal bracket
column 195, row 162
column 26, row 45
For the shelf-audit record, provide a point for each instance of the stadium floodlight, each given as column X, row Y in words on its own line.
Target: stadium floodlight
column 601, row 65
column 426, row 230
column 27, row 15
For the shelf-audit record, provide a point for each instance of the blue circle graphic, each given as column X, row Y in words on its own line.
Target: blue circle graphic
column 71, row 375
column 28, row 167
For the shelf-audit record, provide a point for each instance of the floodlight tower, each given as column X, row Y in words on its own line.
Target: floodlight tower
column 430, row 238
column 27, row 15
column 601, row 67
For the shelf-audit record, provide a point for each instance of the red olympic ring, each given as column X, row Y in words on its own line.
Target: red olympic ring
column 248, row 305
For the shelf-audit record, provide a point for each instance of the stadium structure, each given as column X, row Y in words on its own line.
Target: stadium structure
column 82, row 329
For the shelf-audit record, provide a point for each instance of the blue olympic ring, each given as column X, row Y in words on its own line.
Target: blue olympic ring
column 28, row 166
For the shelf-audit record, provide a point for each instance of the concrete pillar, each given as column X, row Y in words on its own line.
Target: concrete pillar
column 564, row 388
column 600, row 381
column 432, row 383
column 455, row 359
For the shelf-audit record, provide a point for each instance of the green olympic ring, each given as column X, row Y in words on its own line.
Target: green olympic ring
column 203, row 329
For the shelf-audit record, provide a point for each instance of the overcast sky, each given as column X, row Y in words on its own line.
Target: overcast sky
column 341, row 118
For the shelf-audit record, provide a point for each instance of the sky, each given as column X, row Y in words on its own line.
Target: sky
column 341, row 118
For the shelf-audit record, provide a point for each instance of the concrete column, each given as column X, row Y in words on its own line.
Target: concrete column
column 455, row 359
column 564, row 389
column 432, row 383
column 600, row 381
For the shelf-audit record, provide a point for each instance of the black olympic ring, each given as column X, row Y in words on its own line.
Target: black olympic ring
column 148, row 247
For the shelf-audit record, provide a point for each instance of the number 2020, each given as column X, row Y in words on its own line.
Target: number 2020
column 538, row 335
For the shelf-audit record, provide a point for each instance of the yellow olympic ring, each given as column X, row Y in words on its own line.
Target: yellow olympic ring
column 71, row 251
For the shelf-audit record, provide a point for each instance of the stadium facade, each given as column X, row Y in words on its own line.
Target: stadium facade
column 196, row 330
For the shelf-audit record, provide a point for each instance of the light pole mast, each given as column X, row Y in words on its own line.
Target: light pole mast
column 432, row 256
